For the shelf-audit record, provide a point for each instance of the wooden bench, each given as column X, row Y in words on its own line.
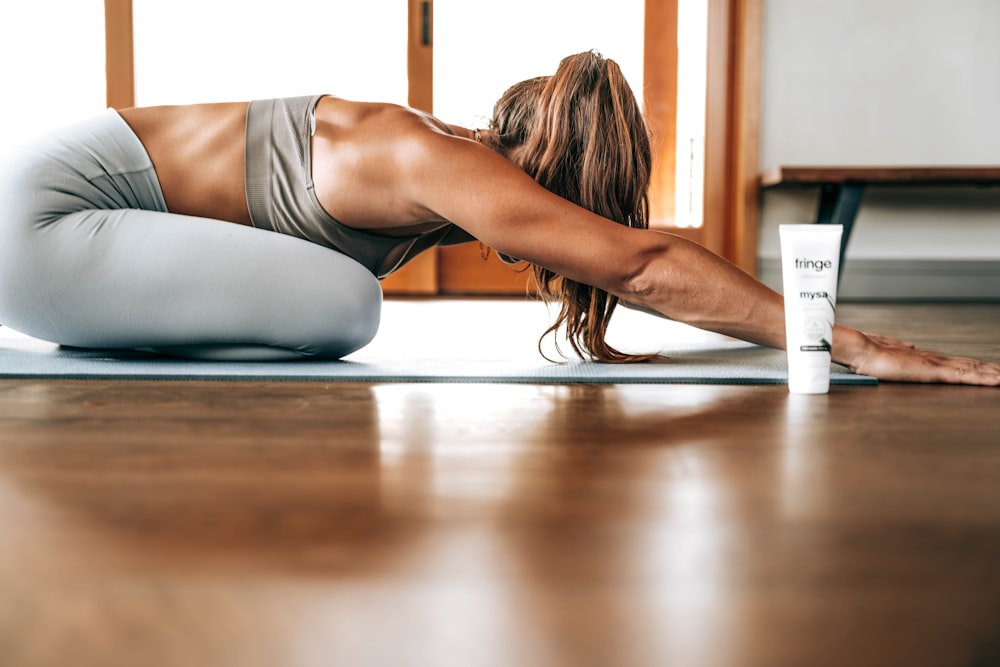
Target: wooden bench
column 842, row 188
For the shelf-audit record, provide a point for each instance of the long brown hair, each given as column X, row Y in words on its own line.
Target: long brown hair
column 580, row 134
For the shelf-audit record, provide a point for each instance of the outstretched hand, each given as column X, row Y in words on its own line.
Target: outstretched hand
column 894, row 360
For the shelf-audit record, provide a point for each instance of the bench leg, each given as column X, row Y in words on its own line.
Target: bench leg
column 838, row 205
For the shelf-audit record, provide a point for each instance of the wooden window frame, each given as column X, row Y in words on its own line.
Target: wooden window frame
column 119, row 57
column 731, row 205
column 732, row 122
column 732, row 133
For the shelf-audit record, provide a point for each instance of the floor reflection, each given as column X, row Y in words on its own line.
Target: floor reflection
column 522, row 521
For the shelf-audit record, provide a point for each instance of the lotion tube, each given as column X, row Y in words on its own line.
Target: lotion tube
column 810, row 263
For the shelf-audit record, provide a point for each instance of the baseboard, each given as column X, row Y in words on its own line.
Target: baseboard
column 907, row 279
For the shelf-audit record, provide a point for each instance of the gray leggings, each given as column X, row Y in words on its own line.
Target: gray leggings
column 90, row 257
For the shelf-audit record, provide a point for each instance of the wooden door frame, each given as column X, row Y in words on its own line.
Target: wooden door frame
column 732, row 133
column 659, row 94
column 732, row 123
column 119, row 57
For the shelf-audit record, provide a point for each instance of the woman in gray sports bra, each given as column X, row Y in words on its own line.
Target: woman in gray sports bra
column 260, row 230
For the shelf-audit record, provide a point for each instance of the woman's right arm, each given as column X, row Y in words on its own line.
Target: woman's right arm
column 500, row 205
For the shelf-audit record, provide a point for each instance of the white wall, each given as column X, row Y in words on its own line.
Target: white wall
column 887, row 82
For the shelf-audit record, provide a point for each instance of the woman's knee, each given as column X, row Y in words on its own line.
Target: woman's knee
column 352, row 311
column 366, row 310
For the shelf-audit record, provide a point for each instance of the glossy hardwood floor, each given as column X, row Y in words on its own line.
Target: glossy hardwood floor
column 199, row 523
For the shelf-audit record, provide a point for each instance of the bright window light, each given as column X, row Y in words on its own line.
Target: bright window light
column 479, row 52
column 692, row 46
column 53, row 71
column 190, row 51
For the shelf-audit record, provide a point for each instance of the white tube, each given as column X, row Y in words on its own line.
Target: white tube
column 810, row 262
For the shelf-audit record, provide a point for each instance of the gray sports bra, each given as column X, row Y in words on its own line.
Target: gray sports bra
column 281, row 197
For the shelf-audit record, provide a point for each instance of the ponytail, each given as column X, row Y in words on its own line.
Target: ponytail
column 583, row 137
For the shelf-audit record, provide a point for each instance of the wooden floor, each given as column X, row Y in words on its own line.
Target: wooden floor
column 198, row 523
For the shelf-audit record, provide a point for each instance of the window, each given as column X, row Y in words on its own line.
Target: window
column 479, row 52
column 53, row 72
column 692, row 49
column 190, row 51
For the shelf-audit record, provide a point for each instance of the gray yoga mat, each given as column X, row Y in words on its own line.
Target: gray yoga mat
column 716, row 363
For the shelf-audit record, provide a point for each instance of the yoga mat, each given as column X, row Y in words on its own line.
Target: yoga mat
column 705, row 363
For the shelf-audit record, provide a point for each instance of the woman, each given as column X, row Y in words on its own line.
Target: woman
column 155, row 227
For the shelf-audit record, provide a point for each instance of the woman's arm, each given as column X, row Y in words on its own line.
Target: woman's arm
column 500, row 205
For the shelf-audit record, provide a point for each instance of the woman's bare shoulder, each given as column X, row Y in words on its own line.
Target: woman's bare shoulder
column 498, row 203
column 390, row 123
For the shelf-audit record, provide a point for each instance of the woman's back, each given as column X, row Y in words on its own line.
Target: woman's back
column 359, row 153
column 197, row 151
